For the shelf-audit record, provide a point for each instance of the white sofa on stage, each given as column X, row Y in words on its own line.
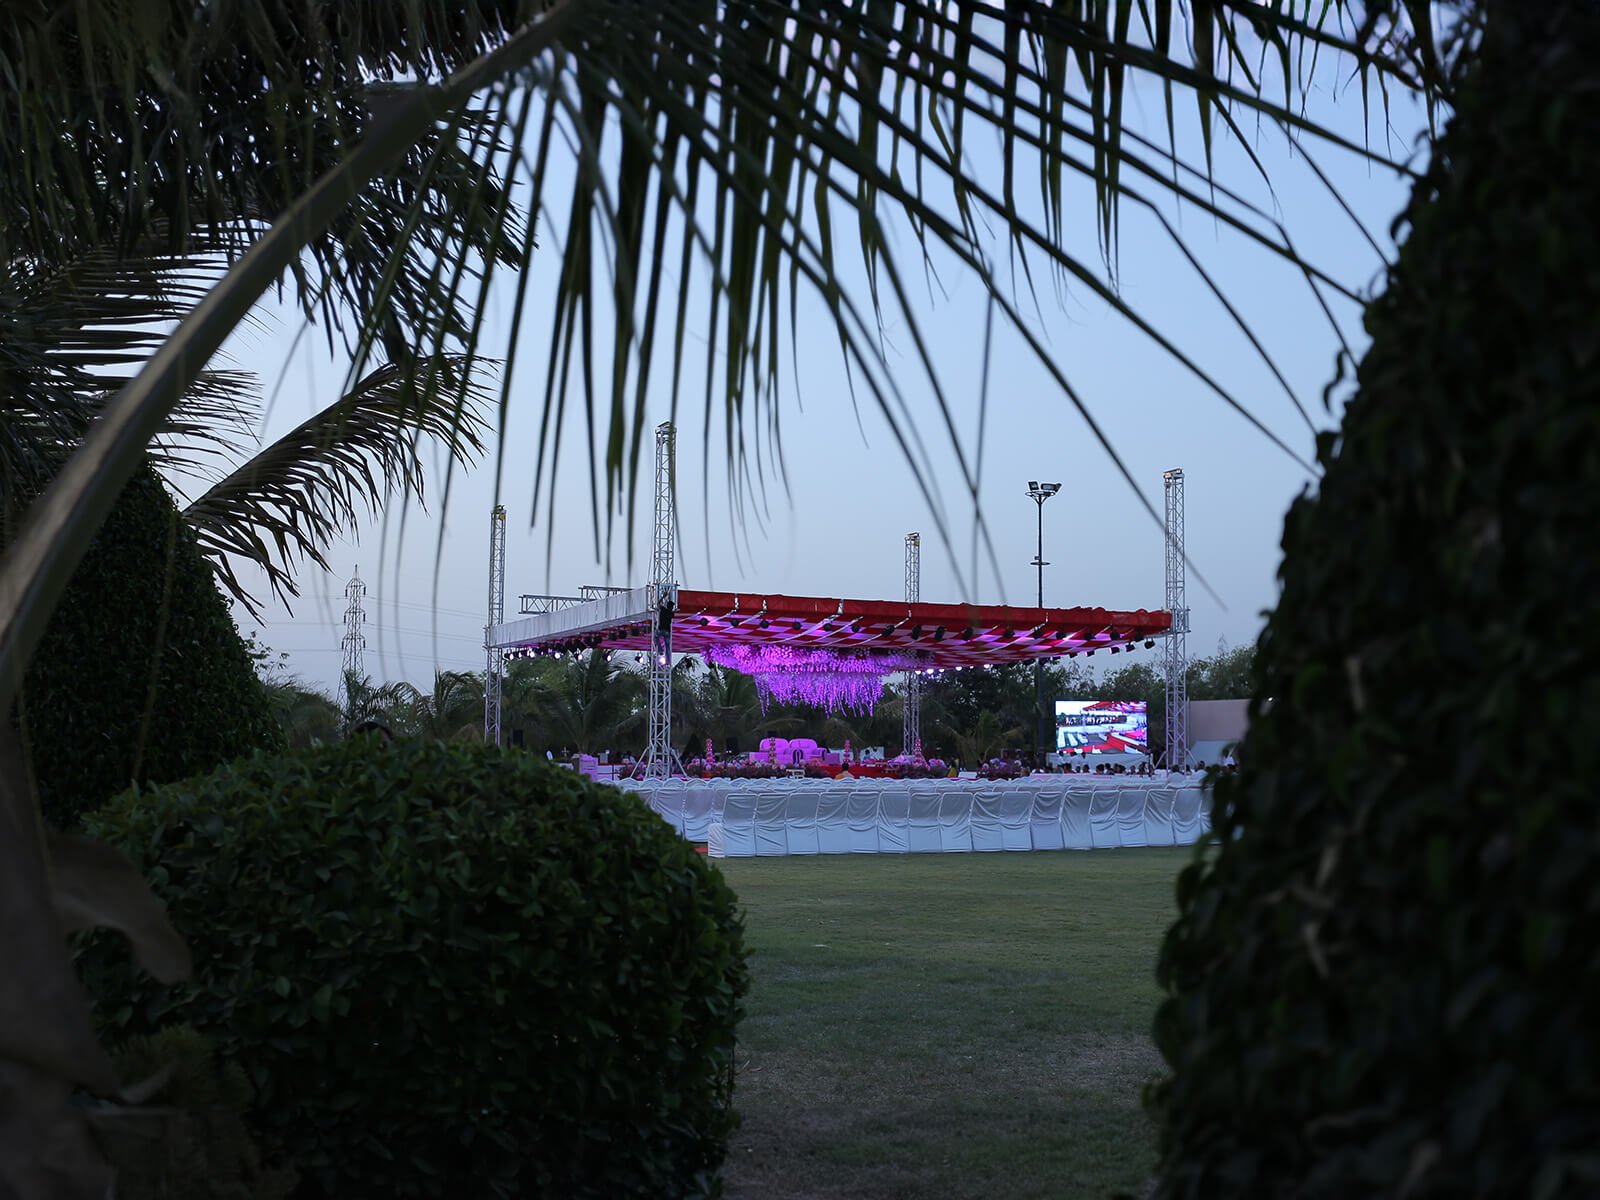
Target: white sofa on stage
column 742, row 818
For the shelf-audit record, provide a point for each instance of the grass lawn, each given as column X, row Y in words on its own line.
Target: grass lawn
column 949, row 1025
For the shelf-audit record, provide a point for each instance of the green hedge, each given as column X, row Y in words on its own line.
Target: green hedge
column 141, row 676
column 1385, row 975
column 447, row 970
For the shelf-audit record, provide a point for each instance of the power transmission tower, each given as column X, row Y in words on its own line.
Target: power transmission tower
column 660, row 759
column 495, row 658
column 1175, row 655
column 353, row 643
column 911, row 722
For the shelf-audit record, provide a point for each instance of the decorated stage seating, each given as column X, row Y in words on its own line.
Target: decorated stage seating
column 739, row 818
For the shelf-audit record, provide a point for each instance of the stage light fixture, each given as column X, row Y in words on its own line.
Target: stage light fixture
column 1088, row 653
column 938, row 634
column 916, row 633
column 704, row 622
column 1149, row 643
column 1116, row 649
column 795, row 625
column 761, row 624
column 855, row 626
column 828, row 627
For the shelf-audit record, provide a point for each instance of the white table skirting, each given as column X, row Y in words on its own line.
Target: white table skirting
column 740, row 818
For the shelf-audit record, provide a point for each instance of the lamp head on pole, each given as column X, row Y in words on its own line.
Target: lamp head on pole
column 1040, row 492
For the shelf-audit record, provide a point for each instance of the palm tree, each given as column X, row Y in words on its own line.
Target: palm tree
column 453, row 711
column 742, row 147
column 393, row 705
column 985, row 739
column 728, row 709
column 592, row 703
column 306, row 716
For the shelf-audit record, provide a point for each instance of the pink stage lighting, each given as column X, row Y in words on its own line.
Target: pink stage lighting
column 827, row 679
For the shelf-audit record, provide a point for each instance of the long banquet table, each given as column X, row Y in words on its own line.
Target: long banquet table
column 739, row 818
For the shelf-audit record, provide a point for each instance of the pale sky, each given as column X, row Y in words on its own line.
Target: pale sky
column 851, row 498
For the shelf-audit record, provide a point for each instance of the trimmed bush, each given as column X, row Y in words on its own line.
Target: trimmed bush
column 447, row 970
column 1385, row 975
column 141, row 676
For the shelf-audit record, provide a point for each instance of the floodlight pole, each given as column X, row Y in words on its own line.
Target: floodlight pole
column 1175, row 654
column 1039, row 493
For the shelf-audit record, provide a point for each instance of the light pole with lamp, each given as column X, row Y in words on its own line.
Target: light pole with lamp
column 1039, row 493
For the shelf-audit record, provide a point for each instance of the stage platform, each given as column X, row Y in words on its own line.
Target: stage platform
column 742, row 818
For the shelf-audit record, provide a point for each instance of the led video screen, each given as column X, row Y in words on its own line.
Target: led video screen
column 1101, row 727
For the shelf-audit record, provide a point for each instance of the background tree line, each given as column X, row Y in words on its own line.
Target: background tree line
column 595, row 702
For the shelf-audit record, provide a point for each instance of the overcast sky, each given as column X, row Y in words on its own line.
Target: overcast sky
column 835, row 526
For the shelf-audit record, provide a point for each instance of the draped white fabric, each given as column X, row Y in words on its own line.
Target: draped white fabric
column 741, row 818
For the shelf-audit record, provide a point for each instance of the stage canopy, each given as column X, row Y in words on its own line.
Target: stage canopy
column 933, row 636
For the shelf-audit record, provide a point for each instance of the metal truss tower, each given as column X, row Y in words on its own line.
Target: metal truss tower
column 660, row 759
column 353, row 642
column 1175, row 655
column 495, row 658
column 911, row 724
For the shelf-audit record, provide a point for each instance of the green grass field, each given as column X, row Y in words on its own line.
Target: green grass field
column 961, row 1025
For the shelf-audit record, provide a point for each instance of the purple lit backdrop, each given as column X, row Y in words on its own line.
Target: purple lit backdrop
column 828, row 679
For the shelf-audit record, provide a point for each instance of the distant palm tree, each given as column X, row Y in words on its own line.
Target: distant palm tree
column 306, row 716
column 392, row 705
column 986, row 738
column 453, row 711
column 728, row 709
column 591, row 703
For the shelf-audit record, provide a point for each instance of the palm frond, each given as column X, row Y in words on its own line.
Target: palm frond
column 73, row 333
column 207, row 121
column 739, row 149
column 290, row 500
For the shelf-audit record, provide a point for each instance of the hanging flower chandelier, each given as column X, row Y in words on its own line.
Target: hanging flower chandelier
column 831, row 680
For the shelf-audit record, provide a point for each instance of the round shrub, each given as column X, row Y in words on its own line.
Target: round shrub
column 1384, row 979
column 446, row 970
column 141, row 676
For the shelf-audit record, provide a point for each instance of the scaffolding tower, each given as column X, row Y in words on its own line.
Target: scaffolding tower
column 353, row 643
column 911, row 722
column 1175, row 655
column 495, row 658
column 660, row 759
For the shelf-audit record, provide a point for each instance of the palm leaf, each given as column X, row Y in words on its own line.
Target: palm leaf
column 731, row 140
column 72, row 333
column 318, row 480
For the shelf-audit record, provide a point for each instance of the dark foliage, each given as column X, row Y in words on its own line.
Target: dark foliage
column 141, row 675
column 190, row 1142
column 227, row 114
column 447, row 970
column 1385, row 975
